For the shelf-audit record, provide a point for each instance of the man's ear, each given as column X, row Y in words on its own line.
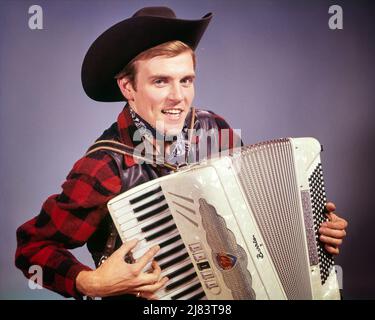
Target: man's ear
column 126, row 88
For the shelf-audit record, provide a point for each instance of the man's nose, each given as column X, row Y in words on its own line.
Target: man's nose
column 176, row 92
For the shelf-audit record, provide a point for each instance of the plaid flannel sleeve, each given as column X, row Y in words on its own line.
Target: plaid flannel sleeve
column 66, row 221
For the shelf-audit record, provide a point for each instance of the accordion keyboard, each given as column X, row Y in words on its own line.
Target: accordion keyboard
column 146, row 217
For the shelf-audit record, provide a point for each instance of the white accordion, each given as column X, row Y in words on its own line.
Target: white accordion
column 242, row 226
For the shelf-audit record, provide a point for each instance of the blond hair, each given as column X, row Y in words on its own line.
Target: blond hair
column 168, row 49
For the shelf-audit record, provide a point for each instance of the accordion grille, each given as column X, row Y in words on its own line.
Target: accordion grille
column 266, row 173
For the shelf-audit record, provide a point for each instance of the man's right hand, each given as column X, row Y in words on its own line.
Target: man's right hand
column 116, row 277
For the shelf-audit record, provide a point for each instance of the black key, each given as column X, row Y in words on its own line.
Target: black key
column 149, row 204
column 169, row 252
column 161, row 232
column 180, row 271
column 152, row 212
column 169, row 241
column 174, row 261
column 185, row 292
column 144, row 196
column 198, row 296
column 157, row 223
column 181, row 281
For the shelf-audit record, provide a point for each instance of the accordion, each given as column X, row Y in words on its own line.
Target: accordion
column 241, row 226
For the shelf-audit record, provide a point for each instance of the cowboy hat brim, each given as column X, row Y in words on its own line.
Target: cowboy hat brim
column 118, row 45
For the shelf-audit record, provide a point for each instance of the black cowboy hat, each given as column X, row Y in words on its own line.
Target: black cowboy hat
column 118, row 45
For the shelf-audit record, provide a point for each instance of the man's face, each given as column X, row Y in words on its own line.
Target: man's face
column 164, row 91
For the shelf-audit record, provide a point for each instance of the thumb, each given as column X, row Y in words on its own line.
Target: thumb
column 330, row 206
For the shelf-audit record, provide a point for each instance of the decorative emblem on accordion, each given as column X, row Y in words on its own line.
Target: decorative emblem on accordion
column 225, row 261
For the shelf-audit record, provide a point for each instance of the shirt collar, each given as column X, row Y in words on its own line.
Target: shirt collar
column 127, row 128
column 128, row 124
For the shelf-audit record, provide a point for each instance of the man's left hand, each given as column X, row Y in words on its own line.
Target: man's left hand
column 333, row 231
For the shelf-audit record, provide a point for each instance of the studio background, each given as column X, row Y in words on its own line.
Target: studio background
column 271, row 68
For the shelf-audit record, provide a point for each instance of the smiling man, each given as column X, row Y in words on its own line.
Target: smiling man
column 148, row 61
column 167, row 88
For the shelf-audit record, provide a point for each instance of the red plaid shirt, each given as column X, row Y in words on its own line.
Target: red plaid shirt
column 70, row 219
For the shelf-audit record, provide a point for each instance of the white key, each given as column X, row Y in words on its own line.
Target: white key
column 178, row 290
column 142, row 251
column 133, row 223
column 133, row 215
column 137, row 232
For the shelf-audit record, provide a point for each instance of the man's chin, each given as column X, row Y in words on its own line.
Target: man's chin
column 173, row 131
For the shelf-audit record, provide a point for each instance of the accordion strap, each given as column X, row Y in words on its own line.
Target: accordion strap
column 115, row 146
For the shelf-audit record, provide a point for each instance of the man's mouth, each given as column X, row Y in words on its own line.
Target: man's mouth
column 175, row 112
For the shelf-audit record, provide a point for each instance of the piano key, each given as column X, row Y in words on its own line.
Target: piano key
column 149, row 204
column 175, row 267
column 130, row 221
column 175, row 260
column 174, row 271
column 152, row 212
column 161, row 232
column 179, row 271
column 157, row 223
column 180, row 293
column 197, row 295
column 126, row 206
column 126, row 201
column 181, row 281
column 187, row 291
column 131, row 225
column 144, row 196
column 167, row 295
column 167, row 239
column 142, row 250
column 143, row 215
column 134, row 196
column 171, row 251
column 137, row 231
column 122, row 211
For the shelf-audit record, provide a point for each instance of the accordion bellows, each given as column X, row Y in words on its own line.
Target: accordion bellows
column 241, row 226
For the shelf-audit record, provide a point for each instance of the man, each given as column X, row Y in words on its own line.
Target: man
column 148, row 61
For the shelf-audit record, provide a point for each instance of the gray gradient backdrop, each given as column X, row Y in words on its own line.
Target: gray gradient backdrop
column 271, row 68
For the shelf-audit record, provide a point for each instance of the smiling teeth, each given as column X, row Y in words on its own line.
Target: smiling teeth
column 172, row 111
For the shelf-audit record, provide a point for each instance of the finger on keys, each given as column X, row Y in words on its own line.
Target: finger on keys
column 154, row 286
column 142, row 261
column 156, row 269
column 126, row 247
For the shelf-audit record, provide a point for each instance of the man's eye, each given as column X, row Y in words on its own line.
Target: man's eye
column 159, row 81
column 187, row 81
